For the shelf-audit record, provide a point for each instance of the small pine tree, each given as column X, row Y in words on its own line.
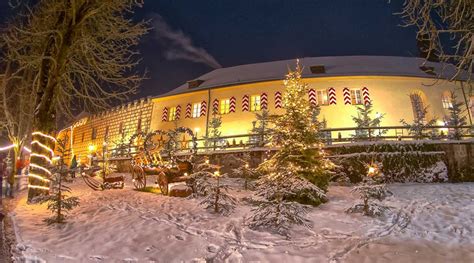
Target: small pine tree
column 455, row 118
column 419, row 128
column 58, row 201
column 213, row 138
column 218, row 200
column 261, row 128
column 370, row 191
column 364, row 120
column 244, row 170
column 202, row 172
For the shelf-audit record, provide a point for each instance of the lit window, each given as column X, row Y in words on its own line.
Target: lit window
column 196, row 110
column 225, row 106
column 255, row 103
column 356, row 97
column 322, row 96
column 172, row 114
column 446, row 100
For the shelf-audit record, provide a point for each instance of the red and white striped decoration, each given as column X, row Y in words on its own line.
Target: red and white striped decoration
column 245, row 103
column 164, row 117
column 203, row 108
column 332, row 96
column 347, row 96
column 278, row 100
column 188, row 111
column 264, row 101
column 366, row 95
column 215, row 106
column 178, row 112
column 312, row 96
column 232, row 104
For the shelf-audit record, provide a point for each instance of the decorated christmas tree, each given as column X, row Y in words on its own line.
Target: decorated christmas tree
column 298, row 173
column 200, row 178
column 365, row 120
column 455, row 118
column 244, row 170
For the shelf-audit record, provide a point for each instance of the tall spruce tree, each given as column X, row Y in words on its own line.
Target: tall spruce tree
column 364, row 120
column 455, row 118
column 419, row 129
column 261, row 128
column 213, row 139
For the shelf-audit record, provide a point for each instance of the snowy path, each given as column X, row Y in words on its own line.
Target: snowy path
column 428, row 223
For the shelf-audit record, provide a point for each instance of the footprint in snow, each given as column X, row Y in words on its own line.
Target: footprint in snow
column 179, row 237
column 212, row 248
column 97, row 257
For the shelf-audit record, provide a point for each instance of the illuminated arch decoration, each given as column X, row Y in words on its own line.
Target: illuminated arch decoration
column 312, row 96
column 41, row 160
column 232, row 104
column 346, row 94
column 215, row 106
column 178, row 112
column 245, row 103
column 278, row 100
column 264, row 101
column 203, row 108
column 366, row 95
column 332, row 96
column 164, row 117
column 188, row 111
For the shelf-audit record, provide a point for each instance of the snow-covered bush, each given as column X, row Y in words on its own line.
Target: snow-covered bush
column 218, row 198
column 401, row 162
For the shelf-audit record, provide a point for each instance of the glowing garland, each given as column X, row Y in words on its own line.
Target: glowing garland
column 43, row 146
column 48, row 159
column 7, row 147
column 27, row 149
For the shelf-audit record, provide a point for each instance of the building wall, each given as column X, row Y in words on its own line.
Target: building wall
column 126, row 116
column 389, row 95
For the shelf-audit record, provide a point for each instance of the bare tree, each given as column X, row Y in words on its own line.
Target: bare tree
column 445, row 31
column 71, row 54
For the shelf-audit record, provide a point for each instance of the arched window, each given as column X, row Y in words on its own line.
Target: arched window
column 446, row 100
column 417, row 106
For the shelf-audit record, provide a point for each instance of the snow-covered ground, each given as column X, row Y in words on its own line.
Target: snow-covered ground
column 427, row 223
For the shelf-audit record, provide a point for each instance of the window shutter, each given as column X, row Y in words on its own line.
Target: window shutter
column 264, row 101
column 347, row 96
column 178, row 112
column 188, row 111
column 232, row 105
column 165, row 114
column 312, row 96
column 366, row 95
column 215, row 106
column 203, row 108
column 332, row 96
column 278, row 100
column 245, row 103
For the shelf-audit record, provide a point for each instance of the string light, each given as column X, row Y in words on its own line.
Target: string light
column 43, row 146
column 38, row 187
column 40, row 167
column 44, row 135
column 27, row 149
column 7, row 147
column 42, row 156
column 39, row 177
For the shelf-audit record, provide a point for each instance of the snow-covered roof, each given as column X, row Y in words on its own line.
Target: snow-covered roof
column 333, row 66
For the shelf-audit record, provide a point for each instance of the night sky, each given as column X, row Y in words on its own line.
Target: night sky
column 193, row 37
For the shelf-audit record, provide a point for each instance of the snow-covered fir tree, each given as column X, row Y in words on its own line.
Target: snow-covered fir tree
column 58, row 201
column 298, row 173
column 244, row 170
column 261, row 128
column 200, row 178
column 364, row 119
column 455, row 118
column 419, row 129
column 218, row 198
column 371, row 191
column 213, row 139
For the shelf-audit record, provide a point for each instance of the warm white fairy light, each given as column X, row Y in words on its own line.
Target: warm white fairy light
column 42, row 156
column 44, row 135
column 7, row 147
column 27, row 149
column 39, row 177
column 43, row 146
column 38, row 187
column 40, row 167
